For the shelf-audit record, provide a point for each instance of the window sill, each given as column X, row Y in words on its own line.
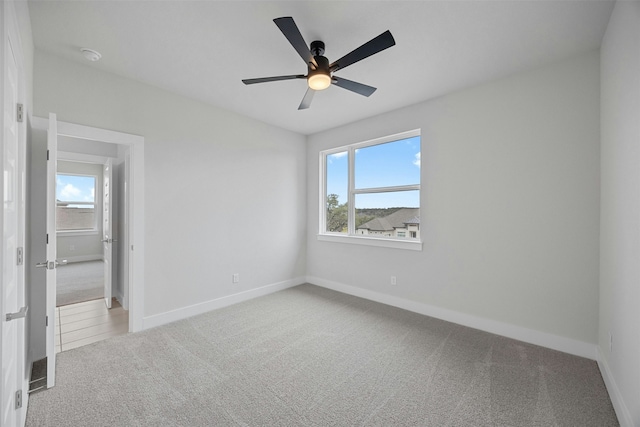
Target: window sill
column 77, row 233
column 372, row 241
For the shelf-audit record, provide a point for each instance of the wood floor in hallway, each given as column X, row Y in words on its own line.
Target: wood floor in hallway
column 88, row 322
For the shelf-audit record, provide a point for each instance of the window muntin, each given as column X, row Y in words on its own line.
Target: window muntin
column 381, row 184
column 76, row 203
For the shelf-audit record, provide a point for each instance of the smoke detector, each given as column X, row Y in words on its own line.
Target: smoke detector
column 90, row 54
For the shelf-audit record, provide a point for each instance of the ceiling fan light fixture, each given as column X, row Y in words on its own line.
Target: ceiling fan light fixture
column 319, row 81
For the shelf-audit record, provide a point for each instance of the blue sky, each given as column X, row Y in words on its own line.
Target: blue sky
column 75, row 188
column 384, row 165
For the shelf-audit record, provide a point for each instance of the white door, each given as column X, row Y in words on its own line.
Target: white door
column 50, row 264
column 107, row 229
column 12, row 310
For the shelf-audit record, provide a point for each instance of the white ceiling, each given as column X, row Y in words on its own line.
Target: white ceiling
column 202, row 49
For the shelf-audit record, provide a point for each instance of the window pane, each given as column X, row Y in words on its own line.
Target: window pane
column 387, row 165
column 76, row 217
column 75, row 198
column 337, row 191
column 75, row 188
column 392, row 215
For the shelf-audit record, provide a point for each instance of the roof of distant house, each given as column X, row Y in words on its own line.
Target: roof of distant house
column 398, row 219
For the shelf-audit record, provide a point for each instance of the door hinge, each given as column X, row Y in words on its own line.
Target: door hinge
column 20, row 113
column 20, row 256
column 18, row 399
column 47, row 154
column 46, row 321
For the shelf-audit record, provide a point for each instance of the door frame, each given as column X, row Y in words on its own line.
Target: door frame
column 135, row 199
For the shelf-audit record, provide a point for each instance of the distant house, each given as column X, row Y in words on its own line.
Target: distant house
column 403, row 223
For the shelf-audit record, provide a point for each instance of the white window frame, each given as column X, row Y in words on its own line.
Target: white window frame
column 96, row 204
column 351, row 236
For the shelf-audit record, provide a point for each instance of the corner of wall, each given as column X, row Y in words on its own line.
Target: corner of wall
column 623, row 413
column 214, row 304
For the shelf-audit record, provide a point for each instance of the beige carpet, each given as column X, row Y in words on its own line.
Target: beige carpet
column 79, row 281
column 308, row 356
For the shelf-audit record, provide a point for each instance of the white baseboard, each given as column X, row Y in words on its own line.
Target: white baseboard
column 203, row 307
column 82, row 258
column 622, row 411
column 555, row 342
column 118, row 296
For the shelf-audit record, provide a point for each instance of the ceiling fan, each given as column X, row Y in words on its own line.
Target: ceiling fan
column 319, row 71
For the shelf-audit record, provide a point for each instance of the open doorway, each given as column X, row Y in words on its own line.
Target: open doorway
column 81, row 275
column 91, row 218
column 129, row 150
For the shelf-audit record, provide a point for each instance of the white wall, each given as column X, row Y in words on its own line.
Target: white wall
column 244, row 183
column 510, row 207
column 85, row 146
column 620, row 211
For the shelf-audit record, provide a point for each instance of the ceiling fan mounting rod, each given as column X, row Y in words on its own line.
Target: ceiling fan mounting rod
column 317, row 48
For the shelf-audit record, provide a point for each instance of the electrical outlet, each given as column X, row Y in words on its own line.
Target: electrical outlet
column 236, row 278
column 393, row 280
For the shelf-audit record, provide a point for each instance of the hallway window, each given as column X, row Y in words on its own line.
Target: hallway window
column 76, row 203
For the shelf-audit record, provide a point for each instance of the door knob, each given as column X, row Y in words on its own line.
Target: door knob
column 20, row 314
column 50, row 265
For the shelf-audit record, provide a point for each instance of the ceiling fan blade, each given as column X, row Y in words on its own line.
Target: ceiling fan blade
column 306, row 101
column 356, row 87
column 290, row 30
column 373, row 46
column 272, row 79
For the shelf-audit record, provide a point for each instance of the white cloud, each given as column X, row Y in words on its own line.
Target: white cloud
column 417, row 160
column 330, row 157
column 69, row 192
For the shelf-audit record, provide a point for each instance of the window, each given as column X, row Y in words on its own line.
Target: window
column 371, row 190
column 76, row 203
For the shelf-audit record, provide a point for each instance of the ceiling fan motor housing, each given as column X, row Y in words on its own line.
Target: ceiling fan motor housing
column 323, row 65
column 317, row 48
